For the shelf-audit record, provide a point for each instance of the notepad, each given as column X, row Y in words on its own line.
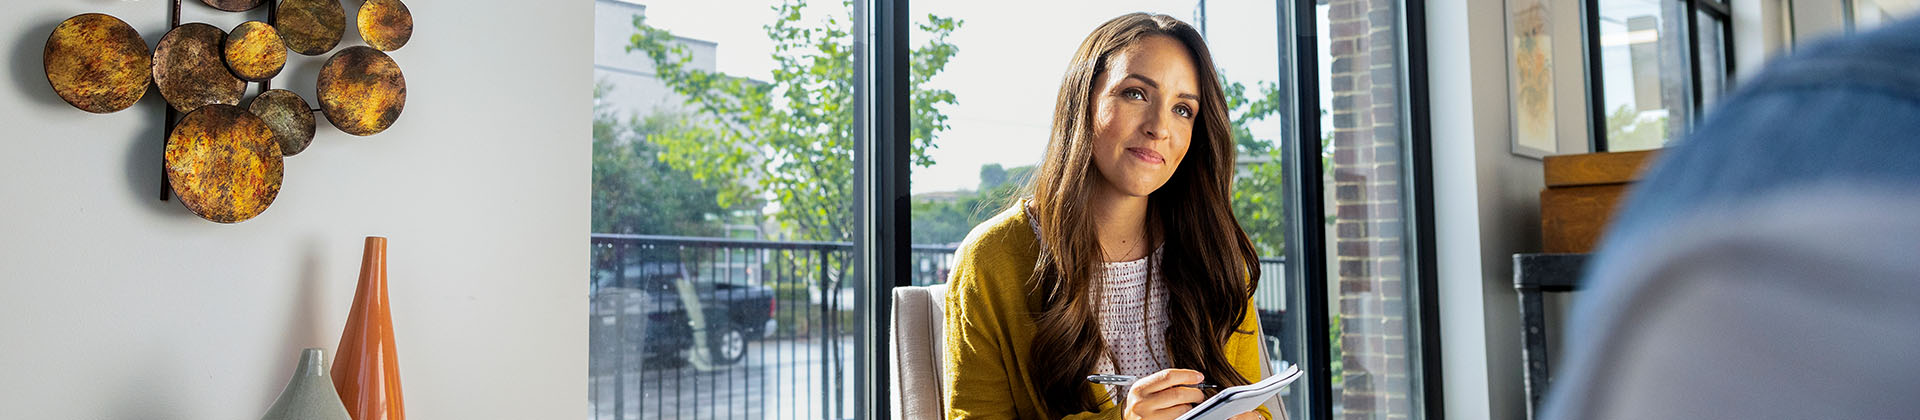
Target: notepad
column 1241, row 399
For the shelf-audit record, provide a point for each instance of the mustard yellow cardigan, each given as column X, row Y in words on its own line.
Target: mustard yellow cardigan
column 989, row 329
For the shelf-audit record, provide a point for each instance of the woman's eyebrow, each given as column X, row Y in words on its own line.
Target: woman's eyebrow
column 1143, row 79
column 1156, row 85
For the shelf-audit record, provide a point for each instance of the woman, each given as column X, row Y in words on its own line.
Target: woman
column 1126, row 259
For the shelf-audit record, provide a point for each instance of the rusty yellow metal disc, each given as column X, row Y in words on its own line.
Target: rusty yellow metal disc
column 98, row 63
column 191, row 70
column 234, row 5
column 386, row 25
column 254, row 51
column 289, row 116
column 223, row 163
column 311, row 27
column 362, row 90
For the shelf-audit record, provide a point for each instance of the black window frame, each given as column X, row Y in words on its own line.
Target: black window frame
column 1720, row 10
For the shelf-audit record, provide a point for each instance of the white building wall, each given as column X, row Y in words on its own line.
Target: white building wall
column 635, row 87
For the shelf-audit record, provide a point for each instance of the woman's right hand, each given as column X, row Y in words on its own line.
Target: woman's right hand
column 1160, row 396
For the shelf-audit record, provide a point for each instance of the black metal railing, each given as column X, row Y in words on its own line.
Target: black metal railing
column 685, row 327
column 719, row 328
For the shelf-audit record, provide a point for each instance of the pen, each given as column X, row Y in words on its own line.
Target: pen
column 1127, row 381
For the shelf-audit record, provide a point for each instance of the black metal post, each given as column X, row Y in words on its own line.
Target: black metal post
column 1691, row 38
column 273, row 19
column 166, row 187
column 1534, row 274
column 827, row 331
column 1426, row 290
column 884, row 174
column 1596, row 102
column 1303, row 182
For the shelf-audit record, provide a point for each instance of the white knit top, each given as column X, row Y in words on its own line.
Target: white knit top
column 1133, row 316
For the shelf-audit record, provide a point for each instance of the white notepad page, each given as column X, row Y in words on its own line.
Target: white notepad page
column 1241, row 399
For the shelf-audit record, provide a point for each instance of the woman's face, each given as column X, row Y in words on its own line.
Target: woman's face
column 1144, row 109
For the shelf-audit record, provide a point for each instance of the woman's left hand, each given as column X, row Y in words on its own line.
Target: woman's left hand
column 1250, row 415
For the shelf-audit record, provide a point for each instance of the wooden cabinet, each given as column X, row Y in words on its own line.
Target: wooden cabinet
column 1581, row 195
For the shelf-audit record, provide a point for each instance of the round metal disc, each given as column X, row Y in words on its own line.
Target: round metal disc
column 289, row 116
column 98, row 63
column 233, row 5
column 223, row 163
column 254, row 51
column 190, row 70
column 362, row 90
column 386, row 25
column 311, row 27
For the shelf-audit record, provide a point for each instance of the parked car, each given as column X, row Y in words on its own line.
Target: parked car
column 733, row 313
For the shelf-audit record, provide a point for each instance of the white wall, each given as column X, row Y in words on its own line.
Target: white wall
column 115, row 305
column 1486, row 202
column 1759, row 35
column 1816, row 20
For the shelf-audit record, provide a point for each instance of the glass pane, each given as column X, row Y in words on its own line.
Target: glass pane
column 983, row 142
column 1713, row 58
column 1364, row 132
column 722, row 211
column 1644, row 72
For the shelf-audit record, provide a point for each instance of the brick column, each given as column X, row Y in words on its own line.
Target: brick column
column 1367, row 208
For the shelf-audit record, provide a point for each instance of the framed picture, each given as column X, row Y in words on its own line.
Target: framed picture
column 1530, row 78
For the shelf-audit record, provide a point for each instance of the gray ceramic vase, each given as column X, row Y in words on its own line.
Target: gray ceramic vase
column 309, row 395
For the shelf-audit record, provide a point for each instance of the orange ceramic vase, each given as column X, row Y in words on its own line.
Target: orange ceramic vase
column 366, row 370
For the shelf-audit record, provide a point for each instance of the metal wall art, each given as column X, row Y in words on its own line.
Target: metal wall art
column 362, row 91
column 289, row 117
column 98, row 63
column 190, row 71
column 385, row 24
column 311, row 27
column 233, row 5
column 225, row 161
column 255, row 51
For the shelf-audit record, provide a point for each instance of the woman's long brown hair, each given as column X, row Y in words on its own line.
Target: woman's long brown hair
column 1209, row 265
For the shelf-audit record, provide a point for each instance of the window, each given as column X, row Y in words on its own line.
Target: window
column 1712, row 47
column 987, row 123
column 747, row 154
column 1657, row 65
column 722, row 282
column 1371, row 276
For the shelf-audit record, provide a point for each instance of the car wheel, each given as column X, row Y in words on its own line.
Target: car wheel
column 729, row 345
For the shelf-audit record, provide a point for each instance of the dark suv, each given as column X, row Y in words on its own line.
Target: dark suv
column 733, row 313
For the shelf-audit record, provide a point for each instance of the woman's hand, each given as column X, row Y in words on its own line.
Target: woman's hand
column 1160, row 396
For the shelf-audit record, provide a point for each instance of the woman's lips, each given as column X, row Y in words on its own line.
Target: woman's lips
column 1147, row 155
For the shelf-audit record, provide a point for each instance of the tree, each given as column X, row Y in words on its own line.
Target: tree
column 948, row 218
column 636, row 193
column 790, row 138
column 1625, row 127
column 992, row 175
column 1259, row 191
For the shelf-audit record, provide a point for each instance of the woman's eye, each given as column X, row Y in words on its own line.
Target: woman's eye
column 1183, row 111
column 1133, row 93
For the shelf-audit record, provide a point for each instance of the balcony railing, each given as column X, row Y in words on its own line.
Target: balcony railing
column 685, row 327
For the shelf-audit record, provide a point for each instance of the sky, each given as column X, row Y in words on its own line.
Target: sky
column 1007, row 72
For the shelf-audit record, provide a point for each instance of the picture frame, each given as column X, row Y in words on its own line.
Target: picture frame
column 1530, row 79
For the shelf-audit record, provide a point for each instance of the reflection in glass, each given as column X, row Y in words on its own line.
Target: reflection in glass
column 722, row 211
column 1374, row 316
column 1711, row 42
column 1642, row 61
